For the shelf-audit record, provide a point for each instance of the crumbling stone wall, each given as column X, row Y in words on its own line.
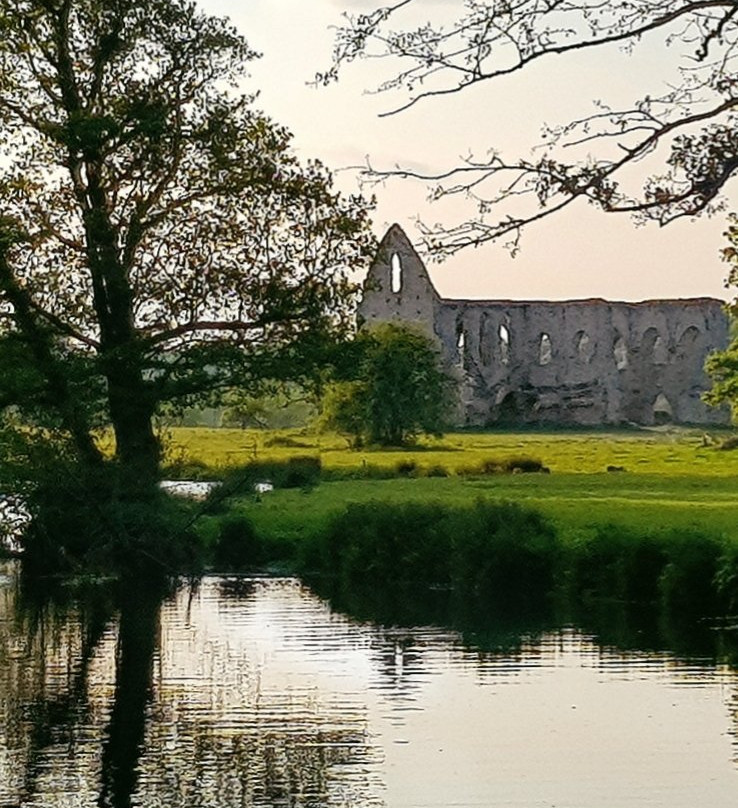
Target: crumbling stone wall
column 584, row 362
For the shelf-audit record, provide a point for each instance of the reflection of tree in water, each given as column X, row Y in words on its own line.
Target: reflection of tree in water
column 47, row 644
column 235, row 735
column 90, row 713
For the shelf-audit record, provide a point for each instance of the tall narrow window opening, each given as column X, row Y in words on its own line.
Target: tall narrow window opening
column 460, row 341
column 584, row 347
column 545, row 350
column 396, row 273
column 504, row 344
column 620, row 352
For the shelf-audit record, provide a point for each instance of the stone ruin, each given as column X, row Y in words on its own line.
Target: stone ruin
column 578, row 362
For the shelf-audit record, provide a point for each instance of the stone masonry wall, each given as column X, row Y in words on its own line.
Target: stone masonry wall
column 585, row 362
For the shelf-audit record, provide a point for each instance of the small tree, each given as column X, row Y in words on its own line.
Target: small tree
column 400, row 390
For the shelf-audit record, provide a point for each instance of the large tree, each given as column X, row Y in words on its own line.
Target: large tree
column 689, row 128
column 157, row 236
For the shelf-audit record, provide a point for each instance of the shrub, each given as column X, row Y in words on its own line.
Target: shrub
column 505, row 553
column 436, row 470
column 295, row 472
column 238, row 546
column 406, row 468
column 689, row 581
column 512, row 465
column 618, row 563
column 524, row 464
column 497, row 551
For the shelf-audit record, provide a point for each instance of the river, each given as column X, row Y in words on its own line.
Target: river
column 256, row 692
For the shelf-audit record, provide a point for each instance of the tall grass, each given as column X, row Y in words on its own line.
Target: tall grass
column 500, row 553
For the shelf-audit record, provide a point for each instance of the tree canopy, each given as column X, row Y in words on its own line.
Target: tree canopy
column 399, row 388
column 723, row 365
column 152, row 215
column 158, row 237
column 682, row 139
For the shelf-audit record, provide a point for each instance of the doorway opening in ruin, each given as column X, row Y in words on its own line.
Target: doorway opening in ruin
column 396, row 273
column 662, row 411
column 516, row 407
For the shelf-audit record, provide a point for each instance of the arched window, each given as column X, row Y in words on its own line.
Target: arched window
column 654, row 348
column 688, row 344
column 620, row 352
column 545, row 350
column 460, row 341
column 504, row 335
column 583, row 346
column 396, row 273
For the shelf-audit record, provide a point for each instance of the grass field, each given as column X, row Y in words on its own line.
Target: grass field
column 656, row 452
column 671, row 481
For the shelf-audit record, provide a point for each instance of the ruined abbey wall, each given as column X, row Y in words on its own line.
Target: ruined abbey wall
column 584, row 362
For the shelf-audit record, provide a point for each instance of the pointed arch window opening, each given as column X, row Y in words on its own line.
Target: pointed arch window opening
column 545, row 350
column 620, row 352
column 395, row 274
column 460, row 342
column 504, row 334
column 584, row 347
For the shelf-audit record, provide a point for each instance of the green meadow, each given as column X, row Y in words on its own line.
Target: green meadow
column 667, row 479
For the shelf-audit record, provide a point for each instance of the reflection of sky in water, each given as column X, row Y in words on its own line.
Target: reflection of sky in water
column 261, row 696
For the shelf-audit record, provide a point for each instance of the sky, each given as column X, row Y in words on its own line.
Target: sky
column 581, row 253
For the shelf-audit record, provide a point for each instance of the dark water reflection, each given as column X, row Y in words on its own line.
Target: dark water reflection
column 255, row 692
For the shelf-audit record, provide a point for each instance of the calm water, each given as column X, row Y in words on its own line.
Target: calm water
column 255, row 693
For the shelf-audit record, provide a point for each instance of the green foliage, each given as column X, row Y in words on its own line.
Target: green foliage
column 722, row 366
column 86, row 521
column 498, row 551
column 400, row 389
column 159, row 241
column 294, row 472
column 238, row 546
column 278, row 407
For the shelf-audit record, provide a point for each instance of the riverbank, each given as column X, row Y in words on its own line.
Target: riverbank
column 658, row 526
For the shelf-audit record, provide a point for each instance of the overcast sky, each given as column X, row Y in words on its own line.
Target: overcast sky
column 579, row 254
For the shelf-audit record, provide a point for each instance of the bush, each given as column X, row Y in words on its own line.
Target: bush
column 436, row 471
column 512, row 465
column 82, row 524
column 497, row 551
column 618, row 564
column 238, row 546
column 689, row 581
column 407, row 468
column 295, row 472
column 505, row 553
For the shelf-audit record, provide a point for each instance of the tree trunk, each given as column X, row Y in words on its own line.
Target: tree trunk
column 131, row 413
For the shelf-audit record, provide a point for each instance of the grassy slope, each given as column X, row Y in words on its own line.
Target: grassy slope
column 672, row 480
